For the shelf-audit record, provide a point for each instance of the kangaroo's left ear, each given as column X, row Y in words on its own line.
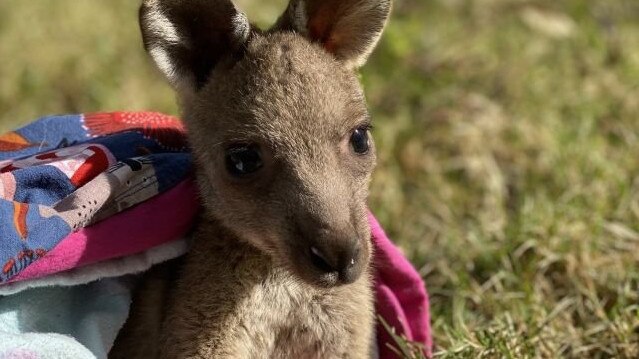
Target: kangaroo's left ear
column 349, row 29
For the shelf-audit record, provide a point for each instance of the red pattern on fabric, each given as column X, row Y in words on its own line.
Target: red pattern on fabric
column 93, row 166
column 13, row 141
column 8, row 266
column 20, row 211
column 47, row 156
column 27, row 253
column 167, row 130
column 8, row 168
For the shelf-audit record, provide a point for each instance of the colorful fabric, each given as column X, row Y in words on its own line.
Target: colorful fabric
column 79, row 191
column 149, row 224
column 61, row 174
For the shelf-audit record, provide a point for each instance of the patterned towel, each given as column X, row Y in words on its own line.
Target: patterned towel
column 77, row 191
column 61, row 174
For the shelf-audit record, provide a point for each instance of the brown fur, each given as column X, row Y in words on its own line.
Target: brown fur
column 250, row 287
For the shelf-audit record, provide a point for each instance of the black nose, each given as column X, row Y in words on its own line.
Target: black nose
column 341, row 261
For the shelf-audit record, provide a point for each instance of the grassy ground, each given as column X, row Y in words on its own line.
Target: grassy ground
column 508, row 133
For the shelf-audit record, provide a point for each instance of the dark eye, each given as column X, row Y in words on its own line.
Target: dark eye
column 359, row 140
column 242, row 160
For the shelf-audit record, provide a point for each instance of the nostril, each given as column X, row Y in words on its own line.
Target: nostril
column 348, row 269
column 319, row 260
column 349, row 272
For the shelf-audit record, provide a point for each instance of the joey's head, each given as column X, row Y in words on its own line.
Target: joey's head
column 278, row 123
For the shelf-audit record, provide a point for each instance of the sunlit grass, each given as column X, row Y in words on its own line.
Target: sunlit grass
column 508, row 133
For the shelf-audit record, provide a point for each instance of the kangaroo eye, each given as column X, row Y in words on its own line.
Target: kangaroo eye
column 359, row 140
column 242, row 160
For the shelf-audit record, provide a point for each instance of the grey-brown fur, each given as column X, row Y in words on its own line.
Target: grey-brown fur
column 251, row 286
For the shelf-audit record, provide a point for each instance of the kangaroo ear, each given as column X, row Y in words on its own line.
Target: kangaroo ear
column 187, row 39
column 349, row 29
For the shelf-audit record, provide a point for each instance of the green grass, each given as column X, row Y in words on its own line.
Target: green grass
column 508, row 136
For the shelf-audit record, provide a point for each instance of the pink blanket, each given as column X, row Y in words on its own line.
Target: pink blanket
column 400, row 295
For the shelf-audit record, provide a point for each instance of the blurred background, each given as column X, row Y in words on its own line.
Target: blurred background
column 508, row 137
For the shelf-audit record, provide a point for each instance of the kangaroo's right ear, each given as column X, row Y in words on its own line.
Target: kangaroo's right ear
column 187, row 39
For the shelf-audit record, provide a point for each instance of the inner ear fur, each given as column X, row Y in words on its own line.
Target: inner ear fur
column 349, row 29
